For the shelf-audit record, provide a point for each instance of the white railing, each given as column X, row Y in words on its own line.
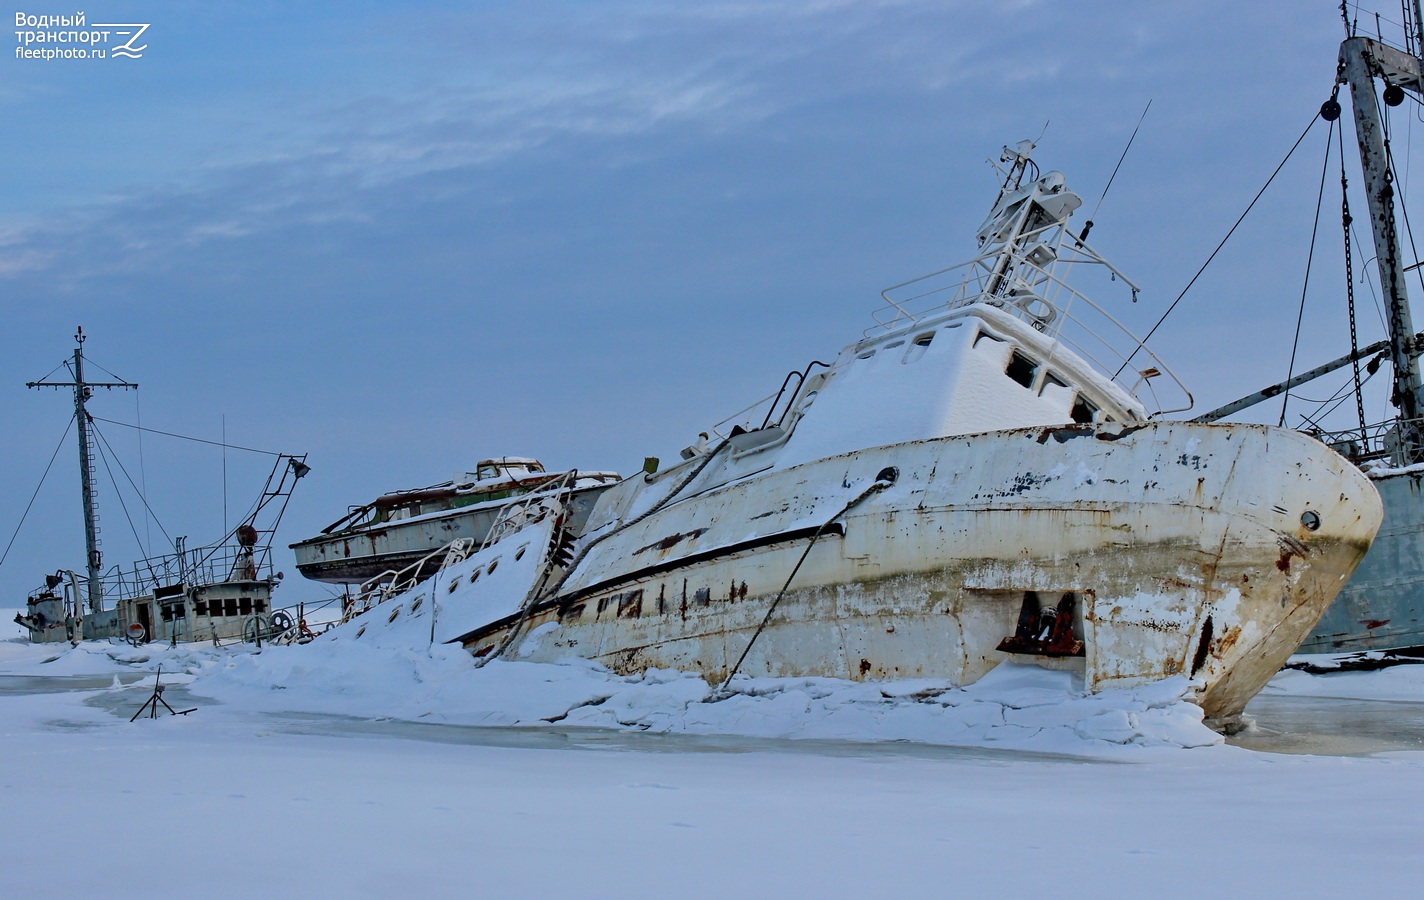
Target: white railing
column 530, row 508
column 379, row 588
column 198, row 565
column 1028, row 286
column 1390, row 441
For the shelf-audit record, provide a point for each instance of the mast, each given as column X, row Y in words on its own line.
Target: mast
column 1362, row 59
column 83, row 390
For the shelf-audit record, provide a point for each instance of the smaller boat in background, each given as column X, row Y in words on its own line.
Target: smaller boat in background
column 216, row 592
column 399, row 528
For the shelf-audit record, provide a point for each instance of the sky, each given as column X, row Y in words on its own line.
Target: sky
column 402, row 237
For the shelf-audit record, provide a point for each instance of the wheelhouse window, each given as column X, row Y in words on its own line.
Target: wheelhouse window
column 1021, row 369
column 1050, row 378
column 918, row 347
column 1084, row 410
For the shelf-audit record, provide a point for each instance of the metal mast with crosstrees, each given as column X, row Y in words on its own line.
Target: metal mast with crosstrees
column 82, row 391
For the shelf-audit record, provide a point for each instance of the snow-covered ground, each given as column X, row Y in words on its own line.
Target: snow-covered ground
column 336, row 769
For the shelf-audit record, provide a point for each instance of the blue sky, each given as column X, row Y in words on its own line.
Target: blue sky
column 404, row 236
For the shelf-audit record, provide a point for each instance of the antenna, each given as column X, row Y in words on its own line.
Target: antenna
column 1088, row 225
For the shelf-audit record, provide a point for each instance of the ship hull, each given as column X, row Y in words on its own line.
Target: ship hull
column 1186, row 549
column 1382, row 605
column 359, row 555
column 356, row 556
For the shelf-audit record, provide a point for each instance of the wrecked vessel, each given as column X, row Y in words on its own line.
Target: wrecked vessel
column 964, row 485
column 222, row 591
column 380, row 538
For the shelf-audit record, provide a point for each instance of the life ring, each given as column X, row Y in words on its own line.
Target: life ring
column 1036, row 308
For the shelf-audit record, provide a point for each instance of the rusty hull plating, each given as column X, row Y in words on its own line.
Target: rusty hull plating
column 1195, row 564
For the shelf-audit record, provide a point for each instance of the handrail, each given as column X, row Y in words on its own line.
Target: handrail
column 378, row 589
column 516, row 514
column 1029, row 289
column 1378, row 441
column 736, row 417
column 801, row 381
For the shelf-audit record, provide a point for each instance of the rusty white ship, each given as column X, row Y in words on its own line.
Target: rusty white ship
column 966, row 484
column 396, row 529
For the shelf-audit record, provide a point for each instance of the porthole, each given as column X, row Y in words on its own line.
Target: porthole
column 492, row 565
column 474, row 576
column 519, row 554
column 395, row 612
column 360, row 631
column 1310, row 519
column 450, row 588
column 416, row 605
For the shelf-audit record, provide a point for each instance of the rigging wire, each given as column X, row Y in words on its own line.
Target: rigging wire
column 63, row 364
column 23, row 515
column 1347, row 386
column 1088, row 225
column 224, row 470
column 1309, row 260
column 1340, row 397
column 106, row 371
column 185, row 437
column 104, row 458
column 1325, row 400
column 141, row 497
column 1229, row 233
column 142, row 469
column 1404, row 209
column 1365, row 279
column 251, row 516
column 1408, row 154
